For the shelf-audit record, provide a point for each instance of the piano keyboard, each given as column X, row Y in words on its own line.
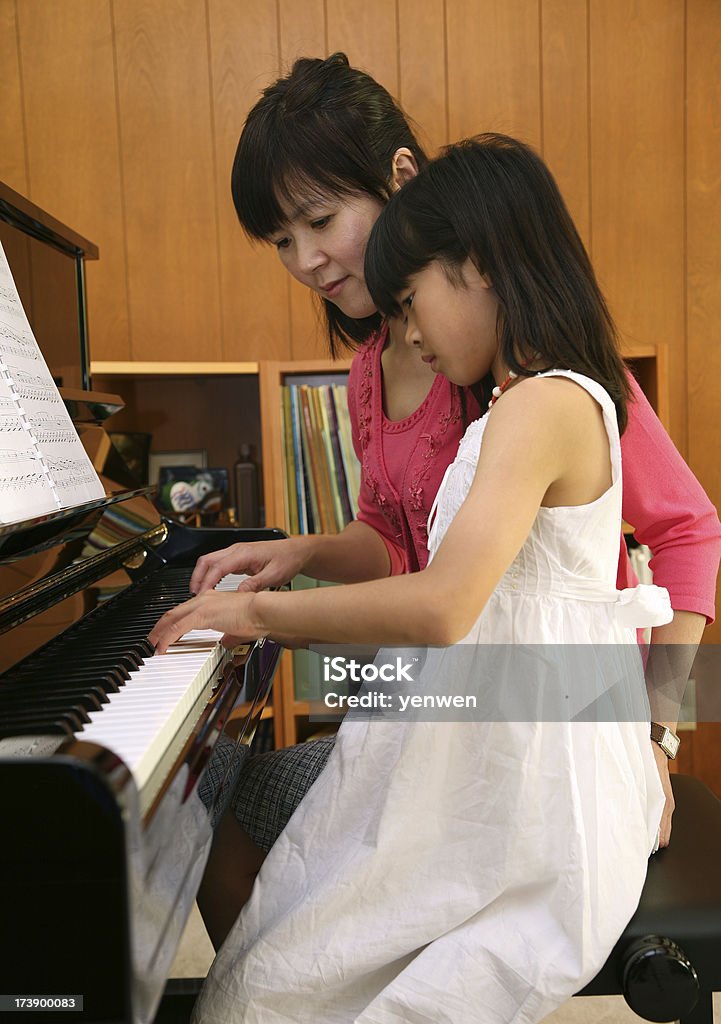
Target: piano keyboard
column 124, row 697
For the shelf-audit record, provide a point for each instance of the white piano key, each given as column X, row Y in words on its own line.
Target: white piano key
column 231, row 581
column 143, row 717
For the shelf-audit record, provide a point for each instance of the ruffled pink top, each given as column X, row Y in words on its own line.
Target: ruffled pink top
column 403, row 462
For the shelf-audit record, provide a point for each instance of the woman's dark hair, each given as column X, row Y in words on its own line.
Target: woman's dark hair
column 324, row 129
column 493, row 200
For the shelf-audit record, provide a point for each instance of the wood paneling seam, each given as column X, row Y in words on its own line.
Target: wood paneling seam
column 121, row 174
column 214, row 161
column 541, row 122
column 21, row 84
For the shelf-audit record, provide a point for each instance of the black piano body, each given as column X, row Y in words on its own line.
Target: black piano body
column 98, row 874
column 98, row 868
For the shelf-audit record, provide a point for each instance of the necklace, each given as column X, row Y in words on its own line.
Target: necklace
column 500, row 388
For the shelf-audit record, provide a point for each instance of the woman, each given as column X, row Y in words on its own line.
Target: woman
column 320, row 154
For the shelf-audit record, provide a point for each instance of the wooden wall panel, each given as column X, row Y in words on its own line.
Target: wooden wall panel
column 494, row 68
column 73, row 147
column 368, row 34
column 423, row 88
column 13, row 166
column 303, row 33
column 253, row 288
column 564, row 114
column 169, row 179
column 703, row 142
column 637, row 175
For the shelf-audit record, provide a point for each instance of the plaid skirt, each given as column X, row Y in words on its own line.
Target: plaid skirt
column 269, row 786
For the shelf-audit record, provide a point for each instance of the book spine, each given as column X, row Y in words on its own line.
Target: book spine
column 340, row 477
column 322, row 482
column 334, row 482
column 350, row 459
column 289, row 476
column 300, row 474
column 325, row 495
column 311, row 462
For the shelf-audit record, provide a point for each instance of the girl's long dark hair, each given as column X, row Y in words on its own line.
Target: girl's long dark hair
column 493, row 200
column 324, row 129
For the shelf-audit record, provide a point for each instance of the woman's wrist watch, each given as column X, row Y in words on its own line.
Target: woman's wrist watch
column 668, row 741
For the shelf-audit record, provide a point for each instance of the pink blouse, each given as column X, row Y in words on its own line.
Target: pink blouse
column 403, row 463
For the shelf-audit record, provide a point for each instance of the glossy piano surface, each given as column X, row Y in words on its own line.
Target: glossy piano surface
column 99, row 872
column 100, row 864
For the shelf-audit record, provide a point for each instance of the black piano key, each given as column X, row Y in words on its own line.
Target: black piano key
column 59, row 669
column 51, row 690
column 45, row 710
column 105, row 682
column 40, row 724
column 31, row 728
column 81, row 698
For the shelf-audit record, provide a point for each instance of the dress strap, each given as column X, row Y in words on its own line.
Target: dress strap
column 433, row 514
column 599, row 393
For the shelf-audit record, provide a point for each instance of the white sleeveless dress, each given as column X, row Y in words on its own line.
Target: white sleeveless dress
column 468, row 872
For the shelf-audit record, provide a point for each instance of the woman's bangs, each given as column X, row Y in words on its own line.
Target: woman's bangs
column 270, row 182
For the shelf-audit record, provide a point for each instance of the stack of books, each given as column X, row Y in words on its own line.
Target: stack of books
column 322, row 472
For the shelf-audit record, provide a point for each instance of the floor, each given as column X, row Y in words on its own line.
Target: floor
column 196, row 954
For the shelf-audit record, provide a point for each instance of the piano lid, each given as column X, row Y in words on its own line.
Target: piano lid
column 68, row 562
column 32, row 535
column 47, row 260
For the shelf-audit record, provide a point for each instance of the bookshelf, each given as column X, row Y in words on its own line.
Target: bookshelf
column 272, row 377
column 250, row 397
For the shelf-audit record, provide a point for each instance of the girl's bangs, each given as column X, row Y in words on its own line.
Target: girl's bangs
column 392, row 257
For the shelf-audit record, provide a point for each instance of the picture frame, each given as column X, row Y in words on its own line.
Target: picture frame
column 186, row 491
column 158, row 460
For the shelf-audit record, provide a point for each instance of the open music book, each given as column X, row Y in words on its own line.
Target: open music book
column 43, row 465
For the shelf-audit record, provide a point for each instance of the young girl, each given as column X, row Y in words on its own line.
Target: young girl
column 319, row 156
column 475, row 870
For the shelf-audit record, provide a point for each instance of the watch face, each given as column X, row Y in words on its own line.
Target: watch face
column 670, row 743
column 667, row 740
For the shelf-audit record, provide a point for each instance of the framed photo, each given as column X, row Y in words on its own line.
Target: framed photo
column 185, row 490
column 156, row 461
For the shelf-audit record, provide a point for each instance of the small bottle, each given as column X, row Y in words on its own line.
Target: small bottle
column 245, row 486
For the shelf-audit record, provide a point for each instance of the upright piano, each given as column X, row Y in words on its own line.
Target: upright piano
column 111, row 780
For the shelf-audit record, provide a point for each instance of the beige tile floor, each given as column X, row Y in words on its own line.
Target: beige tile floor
column 196, row 953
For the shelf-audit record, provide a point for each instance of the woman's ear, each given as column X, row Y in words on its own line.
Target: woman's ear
column 403, row 168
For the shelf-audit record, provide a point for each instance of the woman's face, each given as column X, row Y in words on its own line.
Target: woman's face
column 322, row 244
column 453, row 323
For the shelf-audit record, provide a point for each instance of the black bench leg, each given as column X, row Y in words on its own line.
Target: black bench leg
column 702, row 1013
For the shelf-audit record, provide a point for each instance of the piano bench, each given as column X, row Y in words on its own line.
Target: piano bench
column 667, row 963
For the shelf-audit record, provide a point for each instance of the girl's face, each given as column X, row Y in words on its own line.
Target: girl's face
column 453, row 323
column 322, row 244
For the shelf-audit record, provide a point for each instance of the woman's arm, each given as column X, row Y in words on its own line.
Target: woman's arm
column 356, row 553
column 364, row 550
column 670, row 658
column 669, row 512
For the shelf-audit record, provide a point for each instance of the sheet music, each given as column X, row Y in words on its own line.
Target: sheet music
column 25, row 488
column 43, row 465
